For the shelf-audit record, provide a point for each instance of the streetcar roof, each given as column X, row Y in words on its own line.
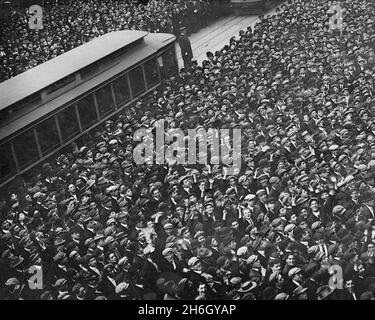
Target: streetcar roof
column 45, row 74
column 153, row 42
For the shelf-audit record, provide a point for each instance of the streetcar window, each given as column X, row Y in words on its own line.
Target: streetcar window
column 151, row 72
column 26, row 149
column 137, row 82
column 121, row 88
column 170, row 62
column 68, row 123
column 105, row 100
column 7, row 164
column 87, row 111
column 47, row 135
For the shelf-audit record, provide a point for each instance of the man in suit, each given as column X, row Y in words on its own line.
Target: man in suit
column 366, row 211
column 295, row 280
column 170, row 263
column 76, row 238
column 151, row 267
column 353, row 202
column 186, row 51
column 195, row 274
column 186, row 188
column 246, row 220
column 315, row 214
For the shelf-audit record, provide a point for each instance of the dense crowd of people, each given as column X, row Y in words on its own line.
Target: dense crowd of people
column 69, row 23
column 297, row 222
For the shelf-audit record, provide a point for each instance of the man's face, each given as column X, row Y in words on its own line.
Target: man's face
column 193, row 199
column 306, row 235
column 349, row 285
column 303, row 212
column 202, row 185
column 298, row 277
column 314, row 205
column 232, row 245
column 76, row 235
column 197, row 266
column 129, row 193
column 169, row 231
column 112, row 258
column 187, row 183
column 85, row 199
column 169, row 256
column 276, row 268
column 82, row 292
column 156, row 194
column 232, row 182
column 180, row 211
column 202, row 240
column 202, row 289
column 293, row 219
column 325, row 195
column 371, row 248
column 186, row 234
column 209, row 210
column 271, row 206
column 246, row 213
column 290, row 260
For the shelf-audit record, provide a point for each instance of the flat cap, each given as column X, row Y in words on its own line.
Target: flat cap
column 192, row 261
column 292, row 272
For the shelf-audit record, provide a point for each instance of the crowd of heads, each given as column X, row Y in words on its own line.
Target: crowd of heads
column 296, row 222
column 69, row 23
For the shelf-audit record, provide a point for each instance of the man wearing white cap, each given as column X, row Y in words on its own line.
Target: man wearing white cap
column 195, row 274
column 170, row 263
column 295, row 280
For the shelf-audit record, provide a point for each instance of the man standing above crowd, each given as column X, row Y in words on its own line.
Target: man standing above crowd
column 186, row 51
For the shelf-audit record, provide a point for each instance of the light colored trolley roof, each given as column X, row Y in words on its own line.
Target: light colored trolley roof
column 41, row 76
column 152, row 43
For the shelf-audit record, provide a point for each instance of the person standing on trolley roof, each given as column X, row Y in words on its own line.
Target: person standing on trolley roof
column 186, row 51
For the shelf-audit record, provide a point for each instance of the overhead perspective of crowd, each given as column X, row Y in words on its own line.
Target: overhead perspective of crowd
column 69, row 23
column 298, row 220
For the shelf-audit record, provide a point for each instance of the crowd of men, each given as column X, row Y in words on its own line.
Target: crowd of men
column 69, row 23
column 297, row 222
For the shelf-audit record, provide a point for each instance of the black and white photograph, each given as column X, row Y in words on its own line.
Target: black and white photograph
column 187, row 150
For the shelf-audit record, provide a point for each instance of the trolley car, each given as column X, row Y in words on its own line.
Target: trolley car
column 46, row 108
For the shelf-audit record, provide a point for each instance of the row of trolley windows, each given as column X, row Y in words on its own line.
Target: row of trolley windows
column 56, row 130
